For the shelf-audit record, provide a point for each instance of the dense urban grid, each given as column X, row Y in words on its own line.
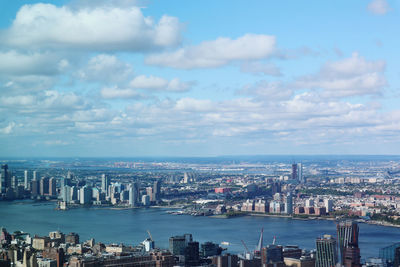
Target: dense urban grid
column 350, row 192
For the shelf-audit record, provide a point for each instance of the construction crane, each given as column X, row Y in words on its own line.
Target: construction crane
column 260, row 241
column 247, row 250
column 151, row 238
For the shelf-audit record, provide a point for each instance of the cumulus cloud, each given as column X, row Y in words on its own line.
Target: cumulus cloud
column 160, row 84
column 216, row 53
column 106, row 68
column 34, row 63
column 8, row 129
column 49, row 101
column 378, row 7
column 348, row 77
column 27, row 83
column 101, row 28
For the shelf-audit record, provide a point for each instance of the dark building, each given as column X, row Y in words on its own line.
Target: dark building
column 292, row 252
column 396, row 260
column 5, row 179
column 157, row 191
column 210, row 249
column 326, row 252
column 347, row 233
column 271, row 254
column 192, row 254
column 294, row 171
column 177, row 244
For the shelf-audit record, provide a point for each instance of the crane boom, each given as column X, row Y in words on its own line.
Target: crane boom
column 247, row 250
column 150, row 235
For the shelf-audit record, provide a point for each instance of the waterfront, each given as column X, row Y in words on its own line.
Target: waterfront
column 129, row 226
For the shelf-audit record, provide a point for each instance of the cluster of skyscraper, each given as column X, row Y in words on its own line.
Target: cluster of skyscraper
column 347, row 242
column 10, row 188
column 114, row 193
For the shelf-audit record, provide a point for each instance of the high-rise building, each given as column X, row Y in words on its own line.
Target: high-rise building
column 177, row 245
column 347, row 234
column 157, row 190
column 74, row 193
column 26, row 180
column 4, row 178
column 44, row 186
column 192, row 254
column 326, row 252
column 289, row 204
column 145, row 200
column 294, row 171
column 52, row 187
column 271, row 254
column 35, row 175
column 35, row 188
column 328, row 204
column 352, row 256
column 85, row 195
column 66, row 194
column 133, row 194
column 300, row 173
column 105, row 183
column 14, row 182
column 149, row 192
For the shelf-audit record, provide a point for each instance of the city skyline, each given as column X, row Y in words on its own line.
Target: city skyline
column 150, row 78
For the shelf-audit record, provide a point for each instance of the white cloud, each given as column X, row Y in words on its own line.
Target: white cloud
column 217, row 53
column 160, row 84
column 8, row 129
column 352, row 76
column 260, row 68
column 106, row 68
column 102, row 28
column 19, row 100
column 378, row 7
column 192, row 104
column 16, row 63
column 28, row 83
column 355, row 65
column 115, row 92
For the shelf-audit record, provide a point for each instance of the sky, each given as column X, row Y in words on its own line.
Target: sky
column 129, row 78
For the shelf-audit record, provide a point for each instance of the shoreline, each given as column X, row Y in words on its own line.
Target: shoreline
column 217, row 216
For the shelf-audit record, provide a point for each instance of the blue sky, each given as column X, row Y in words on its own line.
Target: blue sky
column 199, row 78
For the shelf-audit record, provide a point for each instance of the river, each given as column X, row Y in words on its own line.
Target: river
column 129, row 226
